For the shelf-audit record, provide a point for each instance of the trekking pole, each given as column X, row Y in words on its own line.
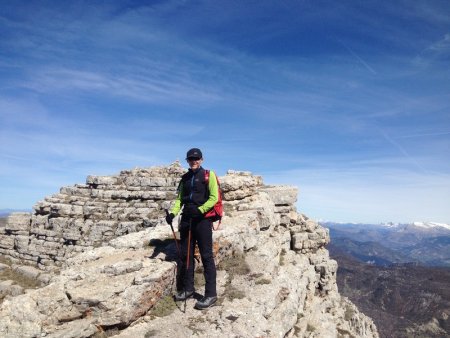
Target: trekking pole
column 189, row 245
column 179, row 257
column 187, row 260
column 174, row 237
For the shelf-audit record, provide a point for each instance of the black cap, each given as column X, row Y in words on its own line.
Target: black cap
column 194, row 152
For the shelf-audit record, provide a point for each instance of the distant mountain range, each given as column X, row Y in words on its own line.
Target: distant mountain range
column 6, row 212
column 424, row 243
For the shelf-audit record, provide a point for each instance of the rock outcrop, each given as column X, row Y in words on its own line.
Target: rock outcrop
column 106, row 262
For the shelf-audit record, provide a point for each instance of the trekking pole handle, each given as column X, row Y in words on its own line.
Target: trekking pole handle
column 174, row 236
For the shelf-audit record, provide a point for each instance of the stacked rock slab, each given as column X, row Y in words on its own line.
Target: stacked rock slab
column 288, row 290
column 85, row 216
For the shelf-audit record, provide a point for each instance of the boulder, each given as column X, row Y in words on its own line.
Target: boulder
column 18, row 221
column 282, row 195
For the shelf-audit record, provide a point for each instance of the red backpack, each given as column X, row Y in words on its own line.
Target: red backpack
column 216, row 212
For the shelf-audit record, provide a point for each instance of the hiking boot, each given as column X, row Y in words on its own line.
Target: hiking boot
column 182, row 295
column 205, row 303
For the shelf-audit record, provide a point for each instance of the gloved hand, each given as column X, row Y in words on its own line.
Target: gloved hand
column 169, row 218
column 192, row 211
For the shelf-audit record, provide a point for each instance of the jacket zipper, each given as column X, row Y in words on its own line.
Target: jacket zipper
column 192, row 187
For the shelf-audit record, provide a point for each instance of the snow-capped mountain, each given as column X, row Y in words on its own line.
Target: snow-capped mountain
column 424, row 242
column 391, row 225
column 431, row 225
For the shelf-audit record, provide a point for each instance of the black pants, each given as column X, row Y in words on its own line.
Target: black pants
column 201, row 233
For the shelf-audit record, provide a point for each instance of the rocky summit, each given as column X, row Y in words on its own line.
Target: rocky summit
column 101, row 262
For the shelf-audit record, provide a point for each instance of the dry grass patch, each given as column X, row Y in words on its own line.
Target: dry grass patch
column 19, row 279
column 164, row 307
column 234, row 265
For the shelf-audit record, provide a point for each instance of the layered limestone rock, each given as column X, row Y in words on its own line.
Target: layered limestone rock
column 86, row 216
column 275, row 277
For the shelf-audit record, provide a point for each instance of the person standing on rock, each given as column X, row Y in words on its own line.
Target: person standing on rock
column 196, row 196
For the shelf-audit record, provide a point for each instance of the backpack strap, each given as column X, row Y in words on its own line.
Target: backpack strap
column 218, row 225
column 207, row 182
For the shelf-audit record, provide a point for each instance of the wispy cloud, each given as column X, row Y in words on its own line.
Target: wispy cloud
column 360, row 60
column 402, row 150
column 138, row 87
column 425, row 134
column 436, row 52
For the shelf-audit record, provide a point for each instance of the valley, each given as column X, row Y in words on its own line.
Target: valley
column 396, row 274
column 403, row 300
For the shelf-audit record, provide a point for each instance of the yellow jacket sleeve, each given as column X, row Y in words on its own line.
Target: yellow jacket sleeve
column 177, row 206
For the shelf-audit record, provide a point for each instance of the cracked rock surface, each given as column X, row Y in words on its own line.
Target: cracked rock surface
column 109, row 265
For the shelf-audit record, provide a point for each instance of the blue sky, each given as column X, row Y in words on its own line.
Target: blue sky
column 348, row 100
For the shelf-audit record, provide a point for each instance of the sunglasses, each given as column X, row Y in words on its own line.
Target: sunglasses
column 192, row 159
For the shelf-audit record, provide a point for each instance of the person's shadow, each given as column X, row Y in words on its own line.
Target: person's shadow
column 166, row 247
